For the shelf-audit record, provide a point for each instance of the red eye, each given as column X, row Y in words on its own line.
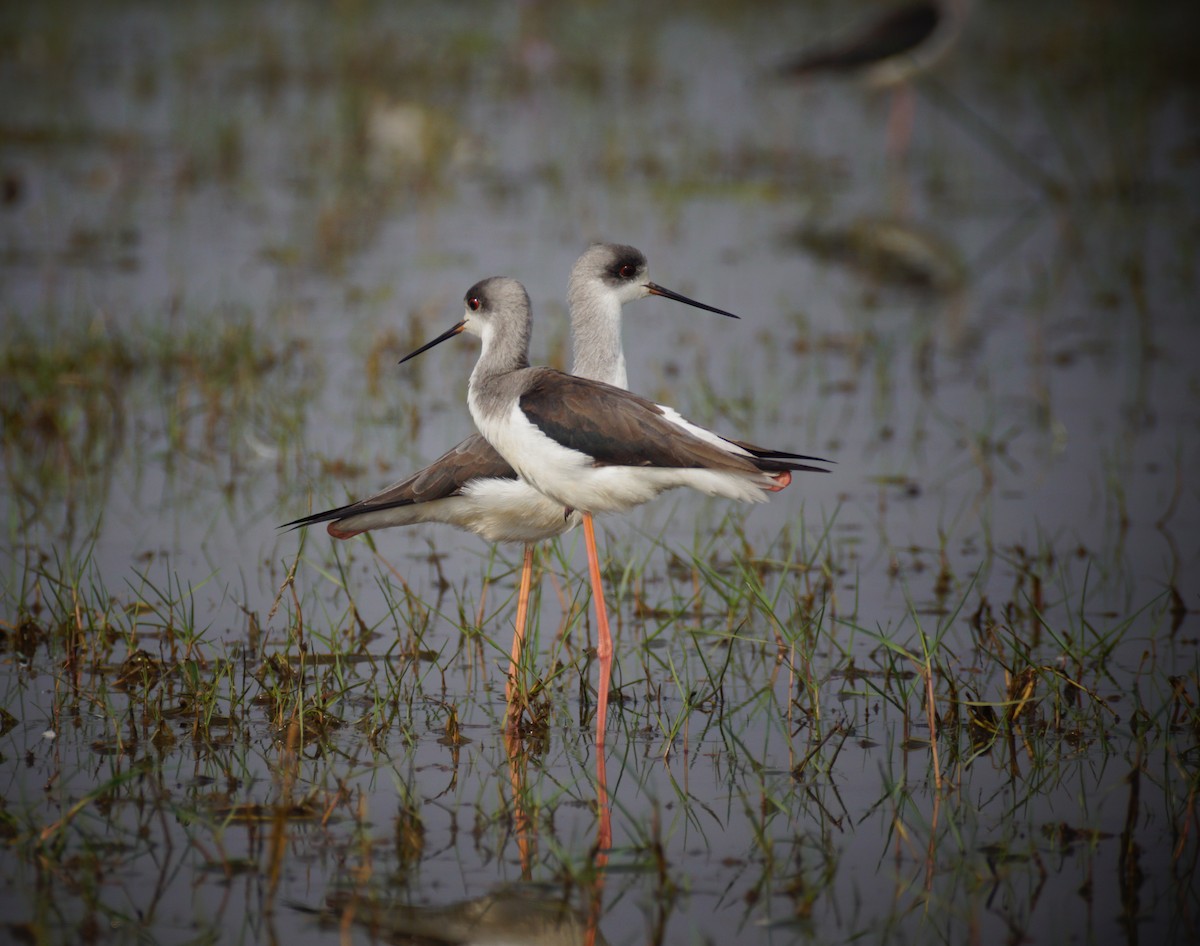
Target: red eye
column 474, row 304
column 627, row 271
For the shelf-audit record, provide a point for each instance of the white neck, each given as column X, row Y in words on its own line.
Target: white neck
column 596, row 336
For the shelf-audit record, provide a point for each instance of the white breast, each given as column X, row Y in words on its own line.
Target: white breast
column 512, row 511
column 570, row 478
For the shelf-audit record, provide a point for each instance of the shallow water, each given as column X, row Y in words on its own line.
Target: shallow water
column 222, row 228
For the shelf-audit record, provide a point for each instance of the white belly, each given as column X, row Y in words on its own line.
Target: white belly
column 570, row 479
column 498, row 510
column 512, row 511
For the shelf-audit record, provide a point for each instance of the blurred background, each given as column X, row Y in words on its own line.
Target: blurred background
column 974, row 288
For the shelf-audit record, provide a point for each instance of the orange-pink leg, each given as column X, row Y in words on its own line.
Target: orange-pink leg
column 522, row 615
column 901, row 117
column 603, row 846
column 604, row 648
column 523, row 825
column 604, row 827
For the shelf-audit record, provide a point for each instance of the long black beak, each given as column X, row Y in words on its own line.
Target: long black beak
column 656, row 290
column 437, row 341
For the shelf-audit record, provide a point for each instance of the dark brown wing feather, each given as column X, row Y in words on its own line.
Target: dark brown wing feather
column 446, row 476
column 899, row 32
column 617, row 428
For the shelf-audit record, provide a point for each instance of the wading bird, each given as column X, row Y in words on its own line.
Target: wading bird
column 471, row 486
column 889, row 53
column 592, row 447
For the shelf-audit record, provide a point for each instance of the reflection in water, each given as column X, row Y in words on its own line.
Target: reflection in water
column 534, row 914
column 603, row 846
column 93, row 412
column 889, row 251
column 529, row 912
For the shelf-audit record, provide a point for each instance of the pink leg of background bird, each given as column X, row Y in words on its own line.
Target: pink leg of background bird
column 604, row 649
column 522, row 615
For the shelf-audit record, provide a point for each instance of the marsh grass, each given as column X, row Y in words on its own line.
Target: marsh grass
column 733, row 663
column 74, row 418
column 741, row 661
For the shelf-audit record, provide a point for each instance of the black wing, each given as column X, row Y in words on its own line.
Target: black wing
column 446, row 476
column 900, row 32
column 617, row 428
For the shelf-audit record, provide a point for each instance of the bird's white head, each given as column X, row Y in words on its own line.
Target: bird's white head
column 608, row 275
column 497, row 310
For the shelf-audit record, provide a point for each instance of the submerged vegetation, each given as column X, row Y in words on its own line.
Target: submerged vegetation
column 1011, row 738
column 75, row 403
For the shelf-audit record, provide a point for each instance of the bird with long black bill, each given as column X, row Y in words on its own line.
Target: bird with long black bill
column 592, row 447
column 474, row 488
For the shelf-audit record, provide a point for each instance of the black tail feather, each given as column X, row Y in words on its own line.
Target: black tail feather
column 344, row 512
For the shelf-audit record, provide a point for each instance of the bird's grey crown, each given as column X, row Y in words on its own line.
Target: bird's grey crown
column 622, row 257
column 603, row 262
column 504, row 311
column 596, row 290
column 497, row 293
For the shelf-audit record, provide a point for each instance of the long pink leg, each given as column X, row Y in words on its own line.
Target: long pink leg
column 901, row 116
column 604, row 649
column 522, row 615
column 603, row 847
column 604, row 828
